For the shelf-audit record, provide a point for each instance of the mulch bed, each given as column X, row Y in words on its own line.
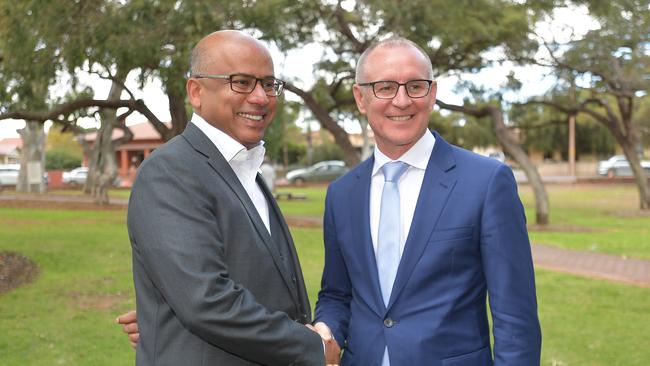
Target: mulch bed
column 15, row 270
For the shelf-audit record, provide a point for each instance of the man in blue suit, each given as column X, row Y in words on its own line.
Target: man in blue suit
column 410, row 262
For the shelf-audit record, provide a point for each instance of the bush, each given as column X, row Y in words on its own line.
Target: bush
column 61, row 160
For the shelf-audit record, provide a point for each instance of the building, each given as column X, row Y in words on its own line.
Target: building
column 10, row 150
column 131, row 154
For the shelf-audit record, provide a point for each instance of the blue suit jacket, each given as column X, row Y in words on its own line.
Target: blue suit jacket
column 468, row 239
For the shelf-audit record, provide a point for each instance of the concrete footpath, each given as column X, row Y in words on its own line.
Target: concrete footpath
column 582, row 263
column 594, row 265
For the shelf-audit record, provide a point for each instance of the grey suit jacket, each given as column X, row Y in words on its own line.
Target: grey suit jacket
column 212, row 286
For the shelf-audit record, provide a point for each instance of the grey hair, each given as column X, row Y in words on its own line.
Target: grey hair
column 196, row 61
column 391, row 42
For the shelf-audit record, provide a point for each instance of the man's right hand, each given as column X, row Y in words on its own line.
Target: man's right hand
column 332, row 349
column 129, row 323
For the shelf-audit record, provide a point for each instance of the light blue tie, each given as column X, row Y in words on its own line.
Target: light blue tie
column 389, row 232
column 388, row 252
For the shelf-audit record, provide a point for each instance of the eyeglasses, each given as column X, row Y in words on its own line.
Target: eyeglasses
column 245, row 84
column 387, row 89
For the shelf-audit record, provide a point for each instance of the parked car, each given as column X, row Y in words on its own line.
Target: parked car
column 76, row 176
column 324, row 171
column 497, row 155
column 618, row 166
column 9, row 174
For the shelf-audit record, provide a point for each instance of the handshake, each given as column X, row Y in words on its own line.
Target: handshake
column 332, row 350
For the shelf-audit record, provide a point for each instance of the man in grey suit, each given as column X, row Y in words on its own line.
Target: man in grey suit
column 216, row 274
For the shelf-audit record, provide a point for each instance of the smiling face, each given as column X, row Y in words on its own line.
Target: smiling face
column 397, row 123
column 244, row 117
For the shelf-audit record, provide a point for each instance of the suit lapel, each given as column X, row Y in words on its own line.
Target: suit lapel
column 435, row 190
column 297, row 287
column 360, row 214
column 202, row 144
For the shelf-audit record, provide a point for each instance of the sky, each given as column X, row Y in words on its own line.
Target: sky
column 299, row 65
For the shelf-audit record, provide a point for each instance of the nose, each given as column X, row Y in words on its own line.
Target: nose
column 258, row 95
column 401, row 99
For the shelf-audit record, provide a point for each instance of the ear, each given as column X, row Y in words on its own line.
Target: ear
column 358, row 97
column 433, row 92
column 194, row 89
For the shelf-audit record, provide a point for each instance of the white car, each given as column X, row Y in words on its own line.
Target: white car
column 617, row 166
column 9, row 174
column 75, row 177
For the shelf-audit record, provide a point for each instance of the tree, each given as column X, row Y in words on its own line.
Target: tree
column 613, row 62
column 152, row 39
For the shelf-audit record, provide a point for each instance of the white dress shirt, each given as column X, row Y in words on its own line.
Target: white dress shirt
column 409, row 184
column 244, row 162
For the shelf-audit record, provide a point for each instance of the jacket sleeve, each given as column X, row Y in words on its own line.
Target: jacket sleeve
column 333, row 305
column 508, row 268
column 173, row 233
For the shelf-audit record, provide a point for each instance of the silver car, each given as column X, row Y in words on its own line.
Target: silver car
column 618, row 166
column 75, row 177
column 9, row 174
column 324, row 171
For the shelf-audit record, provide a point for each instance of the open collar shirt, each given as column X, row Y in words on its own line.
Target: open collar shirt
column 244, row 162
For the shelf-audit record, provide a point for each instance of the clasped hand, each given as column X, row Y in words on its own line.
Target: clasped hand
column 332, row 349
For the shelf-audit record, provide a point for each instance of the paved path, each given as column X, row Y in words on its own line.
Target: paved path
column 595, row 265
column 582, row 263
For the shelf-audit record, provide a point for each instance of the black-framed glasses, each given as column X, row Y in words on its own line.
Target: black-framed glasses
column 245, row 84
column 387, row 89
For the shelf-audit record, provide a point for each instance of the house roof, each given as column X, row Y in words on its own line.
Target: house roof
column 141, row 131
column 10, row 145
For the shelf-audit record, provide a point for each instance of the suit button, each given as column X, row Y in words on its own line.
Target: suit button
column 294, row 279
column 388, row 322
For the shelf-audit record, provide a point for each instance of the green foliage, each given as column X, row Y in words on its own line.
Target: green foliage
column 61, row 160
column 546, row 130
column 467, row 132
column 325, row 151
column 63, row 141
column 616, row 55
column 284, row 133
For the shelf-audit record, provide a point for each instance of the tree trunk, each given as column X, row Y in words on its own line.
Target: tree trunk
column 625, row 133
column 512, row 147
column 365, row 148
column 102, row 170
column 327, row 122
column 178, row 113
column 32, row 159
column 640, row 177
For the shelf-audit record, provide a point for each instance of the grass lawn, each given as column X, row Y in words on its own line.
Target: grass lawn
column 599, row 218
column 66, row 316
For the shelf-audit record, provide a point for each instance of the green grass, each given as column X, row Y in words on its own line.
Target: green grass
column 112, row 193
column 592, row 322
column 599, row 218
column 66, row 316
column 312, row 205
